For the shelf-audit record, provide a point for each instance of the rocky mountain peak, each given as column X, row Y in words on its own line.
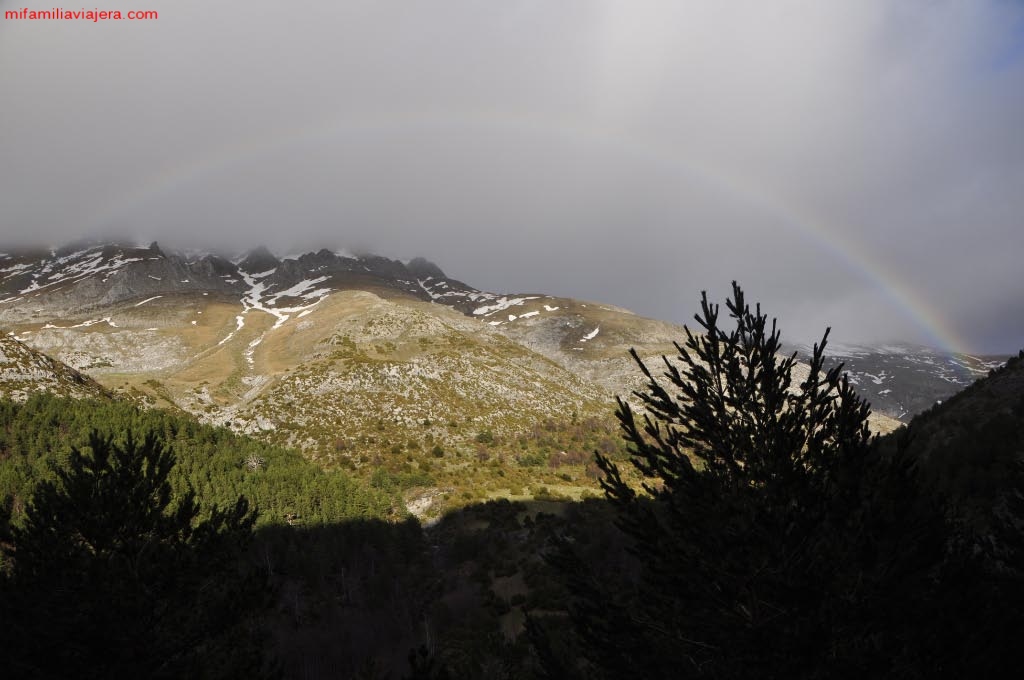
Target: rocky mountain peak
column 321, row 258
column 259, row 260
column 424, row 269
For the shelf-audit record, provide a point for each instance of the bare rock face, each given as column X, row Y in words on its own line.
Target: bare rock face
column 42, row 284
column 45, row 284
column 259, row 260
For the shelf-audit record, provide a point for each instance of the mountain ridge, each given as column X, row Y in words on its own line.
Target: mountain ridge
column 361, row 361
column 901, row 379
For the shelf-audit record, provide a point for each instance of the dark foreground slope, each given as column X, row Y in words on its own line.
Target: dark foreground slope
column 972, row 444
column 354, row 585
column 85, row 540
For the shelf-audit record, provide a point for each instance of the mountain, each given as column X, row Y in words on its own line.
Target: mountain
column 973, row 443
column 902, row 380
column 435, row 394
column 384, row 367
column 24, row 371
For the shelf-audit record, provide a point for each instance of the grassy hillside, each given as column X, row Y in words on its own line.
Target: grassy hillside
column 414, row 397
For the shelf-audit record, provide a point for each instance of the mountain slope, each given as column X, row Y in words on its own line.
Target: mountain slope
column 973, row 443
column 24, row 371
column 902, row 380
column 361, row 361
column 36, row 284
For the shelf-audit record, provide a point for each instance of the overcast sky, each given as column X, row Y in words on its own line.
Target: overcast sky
column 855, row 163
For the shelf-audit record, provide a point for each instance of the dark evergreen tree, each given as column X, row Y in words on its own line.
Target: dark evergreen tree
column 5, row 530
column 425, row 666
column 773, row 537
column 112, row 578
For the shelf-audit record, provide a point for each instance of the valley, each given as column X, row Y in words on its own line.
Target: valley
column 451, row 393
column 410, row 449
column 390, row 370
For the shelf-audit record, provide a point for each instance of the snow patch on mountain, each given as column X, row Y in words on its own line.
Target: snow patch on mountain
column 301, row 289
column 502, row 304
column 15, row 268
column 84, row 324
column 75, row 267
column 240, row 321
column 254, row 300
column 423, row 284
column 250, row 350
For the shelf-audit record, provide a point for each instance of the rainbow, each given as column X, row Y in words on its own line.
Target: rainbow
column 827, row 236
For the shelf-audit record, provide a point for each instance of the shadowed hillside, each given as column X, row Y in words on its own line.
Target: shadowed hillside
column 972, row 444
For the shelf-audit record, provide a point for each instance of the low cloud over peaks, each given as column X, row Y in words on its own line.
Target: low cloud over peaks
column 853, row 164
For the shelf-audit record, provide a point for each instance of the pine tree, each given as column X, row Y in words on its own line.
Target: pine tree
column 114, row 578
column 772, row 537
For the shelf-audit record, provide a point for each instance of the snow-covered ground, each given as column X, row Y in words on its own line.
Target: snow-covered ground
column 257, row 298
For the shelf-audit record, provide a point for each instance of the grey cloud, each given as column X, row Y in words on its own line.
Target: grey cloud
column 823, row 153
